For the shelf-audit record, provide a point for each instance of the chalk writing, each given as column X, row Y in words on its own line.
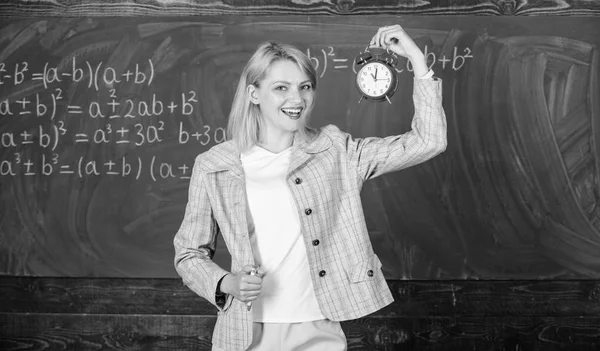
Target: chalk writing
column 93, row 75
column 47, row 165
column 115, row 119
column 129, row 108
column 207, row 136
column 330, row 58
column 107, row 119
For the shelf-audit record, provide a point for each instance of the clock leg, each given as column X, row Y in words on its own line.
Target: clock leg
column 388, row 99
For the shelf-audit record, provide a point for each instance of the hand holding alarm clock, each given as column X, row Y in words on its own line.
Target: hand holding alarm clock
column 376, row 78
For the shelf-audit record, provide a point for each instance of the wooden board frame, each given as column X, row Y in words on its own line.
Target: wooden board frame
column 101, row 8
column 163, row 314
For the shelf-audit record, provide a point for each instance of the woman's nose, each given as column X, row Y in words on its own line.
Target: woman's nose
column 295, row 95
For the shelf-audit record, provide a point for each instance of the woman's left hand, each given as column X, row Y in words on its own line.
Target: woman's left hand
column 398, row 41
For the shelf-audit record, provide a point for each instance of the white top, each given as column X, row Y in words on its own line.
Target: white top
column 287, row 294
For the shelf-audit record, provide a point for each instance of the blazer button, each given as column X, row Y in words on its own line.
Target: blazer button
column 308, row 211
column 315, row 242
column 370, row 273
column 321, row 273
column 297, row 180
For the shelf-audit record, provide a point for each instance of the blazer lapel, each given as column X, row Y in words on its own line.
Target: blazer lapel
column 305, row 149
column 225, row 159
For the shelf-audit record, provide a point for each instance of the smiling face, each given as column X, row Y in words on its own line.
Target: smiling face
column 285, row 97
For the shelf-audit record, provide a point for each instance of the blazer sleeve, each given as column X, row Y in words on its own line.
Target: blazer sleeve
column 427, row 138
column 195, row 242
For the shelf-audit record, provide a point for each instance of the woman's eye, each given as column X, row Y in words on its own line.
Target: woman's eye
column 281, row 88
column 306, row 87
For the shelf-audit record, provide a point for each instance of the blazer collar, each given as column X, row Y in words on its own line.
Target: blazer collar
column 226, row 156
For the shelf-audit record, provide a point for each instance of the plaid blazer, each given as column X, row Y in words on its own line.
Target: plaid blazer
column 325, row 178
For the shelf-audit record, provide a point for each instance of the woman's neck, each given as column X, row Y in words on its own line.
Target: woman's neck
column 277, row 144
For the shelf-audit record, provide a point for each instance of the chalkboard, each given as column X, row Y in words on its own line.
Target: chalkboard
column 101, row 118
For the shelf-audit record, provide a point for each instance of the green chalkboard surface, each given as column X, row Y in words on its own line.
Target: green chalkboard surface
column 101, row 118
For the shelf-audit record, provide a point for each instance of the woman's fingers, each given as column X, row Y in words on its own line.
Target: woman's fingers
column 248, row 268
column 249, row 285
column 397, row 40
column 384, row 36
column 389, row 35
column 250, row 281
column 249, row 291
column 376, row 40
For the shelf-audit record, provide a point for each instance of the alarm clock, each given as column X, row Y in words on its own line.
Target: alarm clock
column 376, row 78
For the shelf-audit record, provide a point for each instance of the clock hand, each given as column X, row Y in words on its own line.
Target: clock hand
column 375, row 77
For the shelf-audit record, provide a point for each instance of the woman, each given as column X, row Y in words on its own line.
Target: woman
column 286, row 199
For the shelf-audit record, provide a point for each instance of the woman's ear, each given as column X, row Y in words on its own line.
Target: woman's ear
column 252, row 93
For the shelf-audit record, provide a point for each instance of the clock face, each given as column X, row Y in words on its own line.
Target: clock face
column 375, row 79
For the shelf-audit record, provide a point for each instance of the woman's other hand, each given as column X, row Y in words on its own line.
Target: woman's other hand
column 242, row 285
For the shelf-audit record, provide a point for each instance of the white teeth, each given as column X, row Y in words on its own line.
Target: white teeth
column 293, row 113
column 292, row 110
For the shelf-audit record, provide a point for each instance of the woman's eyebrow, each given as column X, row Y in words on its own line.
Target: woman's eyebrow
column 281, row 82
column 289, row 83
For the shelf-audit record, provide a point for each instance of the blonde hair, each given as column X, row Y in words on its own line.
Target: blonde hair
column 245, row 121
